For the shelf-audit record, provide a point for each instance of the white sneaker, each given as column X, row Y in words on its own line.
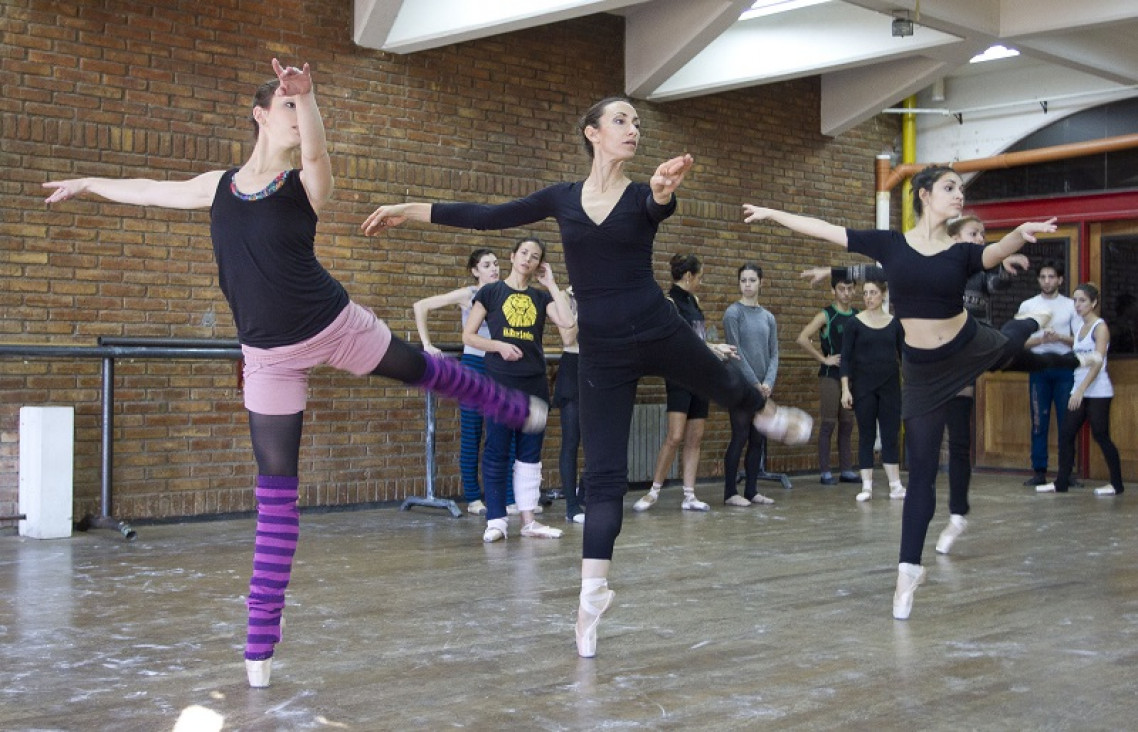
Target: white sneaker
column 691, row 503
column 909, row 577
column 1106, row 490
column 1045, row 488
column 478, row 508
column 646, row 501
column 865, row 495
column 956, row 526
column 536, row 530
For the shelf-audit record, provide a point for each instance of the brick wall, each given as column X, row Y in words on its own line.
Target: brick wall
column 132, row 89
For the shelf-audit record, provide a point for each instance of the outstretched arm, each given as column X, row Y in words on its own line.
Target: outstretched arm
column 668, row 177
column 196, row 192
column 1014, row 241
column 805, row 225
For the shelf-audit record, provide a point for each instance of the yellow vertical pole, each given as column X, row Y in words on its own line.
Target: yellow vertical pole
column 908, row 155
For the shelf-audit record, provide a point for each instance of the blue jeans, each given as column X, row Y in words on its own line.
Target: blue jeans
column 1050, row 386
column 503, row 446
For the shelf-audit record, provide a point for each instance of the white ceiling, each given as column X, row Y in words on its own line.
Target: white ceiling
column 864, row 69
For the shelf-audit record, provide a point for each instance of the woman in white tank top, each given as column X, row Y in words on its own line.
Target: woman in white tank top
column 1090, row 399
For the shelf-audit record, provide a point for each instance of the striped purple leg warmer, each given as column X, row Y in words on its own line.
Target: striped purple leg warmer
column 447, row 377
column 278, row 525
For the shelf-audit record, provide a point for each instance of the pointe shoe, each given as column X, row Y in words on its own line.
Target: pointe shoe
column 646, row 501
column 259, row 672
column 909, row 577
column 535, row 530
column 538, row 413
column 588, row 617
column 1042, row 317
column 737, row 500
column 691, row 503
column 897, row 492
column 956, row 526
column 1046, row 488
column 788, row 425
column 865, row 495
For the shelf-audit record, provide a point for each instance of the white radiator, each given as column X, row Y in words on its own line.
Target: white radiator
column 649, row 428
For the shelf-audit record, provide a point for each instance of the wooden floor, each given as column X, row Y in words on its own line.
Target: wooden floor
column 762, row 618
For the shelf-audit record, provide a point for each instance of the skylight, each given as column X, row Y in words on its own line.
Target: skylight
column 994, row 53
column 771, row 7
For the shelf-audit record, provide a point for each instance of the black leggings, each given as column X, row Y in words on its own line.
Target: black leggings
column 1096, row 410
column 567, row 458
column 924, row 432
column 881, row 406
column 276, row 438
column 609, row 374
column 743, row 432
column 959, row 422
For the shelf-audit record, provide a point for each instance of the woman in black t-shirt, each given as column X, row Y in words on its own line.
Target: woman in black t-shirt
column 515, row 312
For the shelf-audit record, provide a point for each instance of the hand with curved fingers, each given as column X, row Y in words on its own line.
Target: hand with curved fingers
column 1030, row 230
column 294, row 81
column 816, row 274
column 65, row 189
column 669, row 175
column 545, row 276
column 753, row 213
column 1016, row 263
column 384, row 217
column 508, row 351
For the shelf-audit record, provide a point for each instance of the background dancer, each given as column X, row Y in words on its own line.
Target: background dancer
column 944, row 348
column 483, row 267
column 871, row 386
column 1090, row 399
column 291, row 315
column 628, row 328
column 515, row 312
column 751, row 328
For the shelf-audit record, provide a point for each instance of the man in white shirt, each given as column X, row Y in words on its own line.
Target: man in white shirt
column 1052, row 386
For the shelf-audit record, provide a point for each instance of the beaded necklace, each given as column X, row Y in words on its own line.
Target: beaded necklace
column 267, row 191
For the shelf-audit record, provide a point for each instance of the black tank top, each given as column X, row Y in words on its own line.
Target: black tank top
column 264, row 245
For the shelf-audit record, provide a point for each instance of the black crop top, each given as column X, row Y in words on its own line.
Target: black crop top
column 266, row 263
column 920, row 286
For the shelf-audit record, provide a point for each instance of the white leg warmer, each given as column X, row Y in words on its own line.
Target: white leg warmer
column 527, row 485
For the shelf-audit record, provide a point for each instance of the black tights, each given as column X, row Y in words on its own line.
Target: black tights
column 959, row 421
column 743, row 432
column 924, row 432
column 1095, row 410
column 276, row 437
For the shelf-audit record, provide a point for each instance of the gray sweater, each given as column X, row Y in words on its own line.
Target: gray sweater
column 752, row 330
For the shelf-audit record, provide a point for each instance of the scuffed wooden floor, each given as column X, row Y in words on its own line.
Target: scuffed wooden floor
column 764, row 618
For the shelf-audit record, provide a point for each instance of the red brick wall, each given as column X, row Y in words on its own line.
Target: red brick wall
column 162, row 90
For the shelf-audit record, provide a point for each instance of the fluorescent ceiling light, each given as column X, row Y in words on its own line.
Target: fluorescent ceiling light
column 994, row 53
column 771, row 7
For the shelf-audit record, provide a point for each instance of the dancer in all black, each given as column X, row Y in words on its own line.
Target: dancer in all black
column 945, row 348
column 871, row 386
column 291, row 315
column 628, row 329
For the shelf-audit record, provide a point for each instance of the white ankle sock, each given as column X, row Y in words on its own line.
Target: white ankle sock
column 867, row 485
column 689, row 492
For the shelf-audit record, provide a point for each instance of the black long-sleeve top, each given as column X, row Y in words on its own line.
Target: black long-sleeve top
column 609, row 264
column 871, row 357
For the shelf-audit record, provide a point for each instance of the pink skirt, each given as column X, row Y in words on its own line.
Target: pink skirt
column 276, row 379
